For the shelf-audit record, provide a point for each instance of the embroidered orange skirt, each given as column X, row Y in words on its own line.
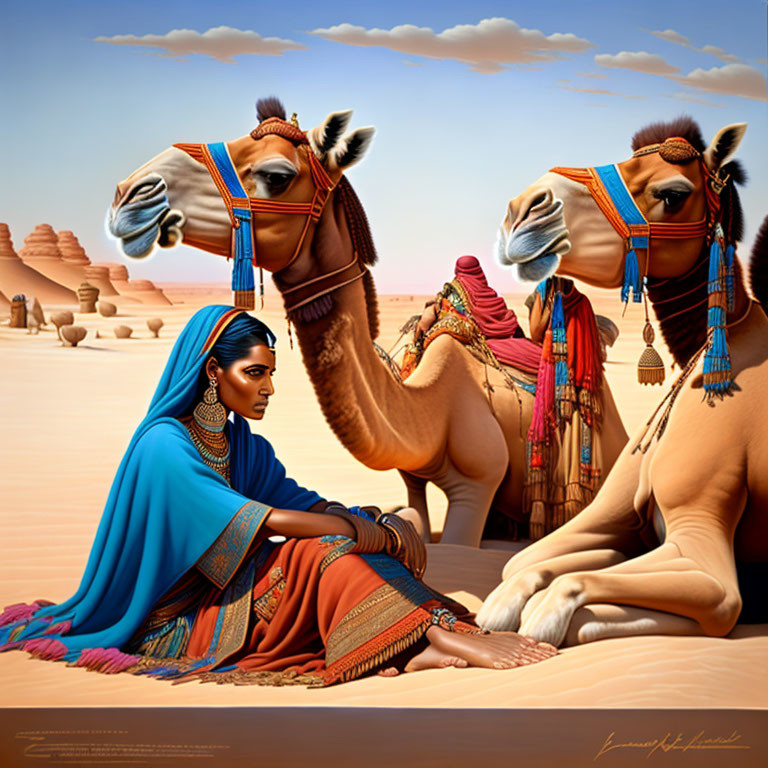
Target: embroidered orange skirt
column 303, row 612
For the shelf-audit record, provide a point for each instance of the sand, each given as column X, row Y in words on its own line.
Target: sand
column 67, row 415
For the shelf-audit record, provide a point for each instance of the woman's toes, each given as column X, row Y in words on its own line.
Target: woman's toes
column 388, row 672
column 453, row 661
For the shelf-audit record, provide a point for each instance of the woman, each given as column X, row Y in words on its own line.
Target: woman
column 183, row 580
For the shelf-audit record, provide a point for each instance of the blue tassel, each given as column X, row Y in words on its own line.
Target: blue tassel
column 729, row 288
column 631, row 278
column 558, row 316
column 717, row 358
column 561, row 373
column 715, row 317
column 242, row 271
column 715, row 264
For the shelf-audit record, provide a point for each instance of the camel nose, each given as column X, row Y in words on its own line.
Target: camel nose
column 527, row 206
column 120, row 191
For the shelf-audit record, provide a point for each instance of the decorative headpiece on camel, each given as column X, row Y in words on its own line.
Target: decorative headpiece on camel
column 661, row 220
column 248, row 183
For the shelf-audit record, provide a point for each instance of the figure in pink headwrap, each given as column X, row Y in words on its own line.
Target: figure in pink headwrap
column 470, row 297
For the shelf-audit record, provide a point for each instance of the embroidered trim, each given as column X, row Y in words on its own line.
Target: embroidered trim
column 337, row 548
column 232, row 627
column 225, row 555
column 266, row 604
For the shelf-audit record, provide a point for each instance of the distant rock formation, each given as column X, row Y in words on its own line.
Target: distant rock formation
column 19, row 277
column 62, row 259
column 71, row 250
column 144, row 290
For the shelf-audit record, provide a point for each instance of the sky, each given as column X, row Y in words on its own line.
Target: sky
column 471, row 102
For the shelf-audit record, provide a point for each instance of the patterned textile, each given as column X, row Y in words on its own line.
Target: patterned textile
column 563, row 447
column 221, row 561
column 496, row 321
column 469, row 310
column 300, row 617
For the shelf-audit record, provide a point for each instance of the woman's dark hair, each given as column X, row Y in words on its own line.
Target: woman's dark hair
column 235, row 342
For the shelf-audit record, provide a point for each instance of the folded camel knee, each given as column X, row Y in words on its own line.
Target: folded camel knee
column 720, row 621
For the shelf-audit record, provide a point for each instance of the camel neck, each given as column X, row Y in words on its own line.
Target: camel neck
column 681, row 305
column 365, row 404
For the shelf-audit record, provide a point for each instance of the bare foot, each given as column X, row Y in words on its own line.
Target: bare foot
column 388, row 672
column 433, row 658
column 495, row 650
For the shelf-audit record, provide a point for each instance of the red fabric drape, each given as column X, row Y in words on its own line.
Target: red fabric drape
column 495, row 319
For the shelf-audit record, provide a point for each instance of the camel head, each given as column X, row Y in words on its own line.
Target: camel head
column 556, row 224
column 173, row 198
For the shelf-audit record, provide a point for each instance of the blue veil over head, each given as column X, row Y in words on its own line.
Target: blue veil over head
column 165, row 509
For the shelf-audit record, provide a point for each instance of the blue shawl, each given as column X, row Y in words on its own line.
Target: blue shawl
column 166, row 512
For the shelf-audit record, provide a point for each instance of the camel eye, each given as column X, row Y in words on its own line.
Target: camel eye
column 273, row 176
column 673, row 198
column 276, row 182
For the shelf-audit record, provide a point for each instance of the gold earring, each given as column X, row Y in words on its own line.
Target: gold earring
column 209, row 413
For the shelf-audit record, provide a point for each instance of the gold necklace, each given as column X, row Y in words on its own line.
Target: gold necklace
column 213, row 447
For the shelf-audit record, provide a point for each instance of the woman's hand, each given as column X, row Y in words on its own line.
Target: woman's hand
column 405, row 543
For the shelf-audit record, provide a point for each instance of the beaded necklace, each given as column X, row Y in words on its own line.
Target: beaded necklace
column 213, row 447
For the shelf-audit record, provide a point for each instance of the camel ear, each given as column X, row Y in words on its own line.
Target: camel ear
column 324, row 137
column 351, row 148
column 724, row 145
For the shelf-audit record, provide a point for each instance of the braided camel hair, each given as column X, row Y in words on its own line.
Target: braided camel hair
column 686, row 504
column 454, row 422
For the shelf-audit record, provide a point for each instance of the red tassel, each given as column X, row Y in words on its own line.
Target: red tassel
column 45, row 648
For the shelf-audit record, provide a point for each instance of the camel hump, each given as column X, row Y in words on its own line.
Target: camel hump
column 758, row 266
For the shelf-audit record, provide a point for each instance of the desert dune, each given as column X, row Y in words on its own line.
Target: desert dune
column 141, row 291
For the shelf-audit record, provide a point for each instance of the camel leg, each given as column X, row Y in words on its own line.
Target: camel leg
column 502, row 608
column 602, row 621
column 468, row 505
column 608, row 523
column 417, row 500
column 662, row 580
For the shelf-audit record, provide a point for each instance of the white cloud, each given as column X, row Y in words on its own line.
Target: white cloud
column 486, row 46
column 593, row 75
column 602, row 92
column 731, row 79
column 220, row 43
column 637, row 61
column 721, row 54
column 671, row 36
column 675, row 37
column 688, row 97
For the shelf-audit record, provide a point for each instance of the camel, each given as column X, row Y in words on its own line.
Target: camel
column 455, row 422
column 681, row 520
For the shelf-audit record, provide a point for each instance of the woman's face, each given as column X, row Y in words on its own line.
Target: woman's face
column 246, row 386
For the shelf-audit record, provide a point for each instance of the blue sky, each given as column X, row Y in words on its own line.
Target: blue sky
column 456, row 136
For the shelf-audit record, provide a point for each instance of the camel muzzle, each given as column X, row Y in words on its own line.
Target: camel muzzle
column 141, row 217
column 533, row 236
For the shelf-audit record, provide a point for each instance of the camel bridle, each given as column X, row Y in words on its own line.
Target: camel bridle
column 607, row 187
column 242, row 209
